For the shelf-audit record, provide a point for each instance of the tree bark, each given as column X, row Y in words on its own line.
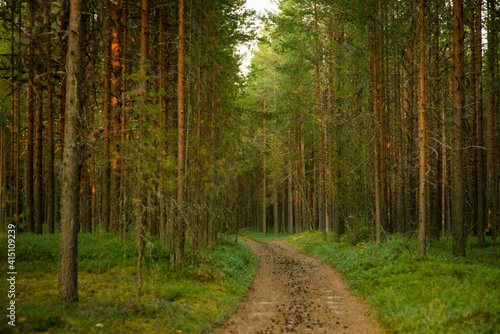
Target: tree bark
column 480, row 167
column 376, row 130
column 422, row 131
column 70, row 182
column 435, row 196
column 106, row 174
column 63, row 52
column 492, row 115
column 321, row 161
column 142, row 92
column 51, row 188
column 458, row 95
column 30, row 116
column 38, row 149
column 264, row 174
column 117, row 57
column 409, row 205
column 181, row 145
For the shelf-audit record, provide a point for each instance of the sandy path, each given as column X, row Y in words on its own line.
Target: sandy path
column 295, row 293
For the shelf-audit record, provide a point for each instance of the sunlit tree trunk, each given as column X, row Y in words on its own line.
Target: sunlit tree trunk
column 422, row 131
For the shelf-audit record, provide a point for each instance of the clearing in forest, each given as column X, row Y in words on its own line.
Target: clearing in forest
column 295, row 293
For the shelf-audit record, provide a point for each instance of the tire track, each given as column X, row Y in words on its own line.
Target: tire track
column 295, row 293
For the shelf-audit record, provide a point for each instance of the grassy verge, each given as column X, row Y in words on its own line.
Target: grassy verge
column 255, row 234
column 192, row 299
column 437, row 293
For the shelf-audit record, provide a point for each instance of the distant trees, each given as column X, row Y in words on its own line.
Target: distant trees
column 359, row 63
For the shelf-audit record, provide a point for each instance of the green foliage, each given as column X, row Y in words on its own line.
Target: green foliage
column 437, row 293
column 191, row 298
column 357, row 230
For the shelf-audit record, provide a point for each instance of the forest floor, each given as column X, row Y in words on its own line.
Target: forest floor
column 295, row 293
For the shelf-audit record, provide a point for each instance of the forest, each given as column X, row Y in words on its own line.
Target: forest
column 140, row 158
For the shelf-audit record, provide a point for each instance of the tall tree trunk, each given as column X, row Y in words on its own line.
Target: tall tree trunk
column 116, row 63
column 106, row 174
column 290, row 198
column 478, row 104
column 321, row 161
column 17, row 146
column 376, row 129
column 422, row 130
column 142, row 93
column 492, row 115
column 458, row 93
column 121, row 221
column 410, row 213
column 30, row 116
column 383, row 118
column 38, row 149
column 14, row 164
column 435, row 197
column 62, row 67
column 70, row 182
column 478, row 185
column 264, row 174
column 181, row 140
column 275, row 207
column 51, row 188
column 4, row 156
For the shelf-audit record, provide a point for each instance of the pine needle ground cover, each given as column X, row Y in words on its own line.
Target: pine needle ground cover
column 437, row 293
column 192, row 299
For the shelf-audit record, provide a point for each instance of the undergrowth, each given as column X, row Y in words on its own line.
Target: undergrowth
column 192, row 298
column 436, row 293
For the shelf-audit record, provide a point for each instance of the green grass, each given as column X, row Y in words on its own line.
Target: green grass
column 192, row 298
column 255, row 234
column 437, row 293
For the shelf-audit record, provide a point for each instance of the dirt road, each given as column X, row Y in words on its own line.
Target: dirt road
column 295, row 293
